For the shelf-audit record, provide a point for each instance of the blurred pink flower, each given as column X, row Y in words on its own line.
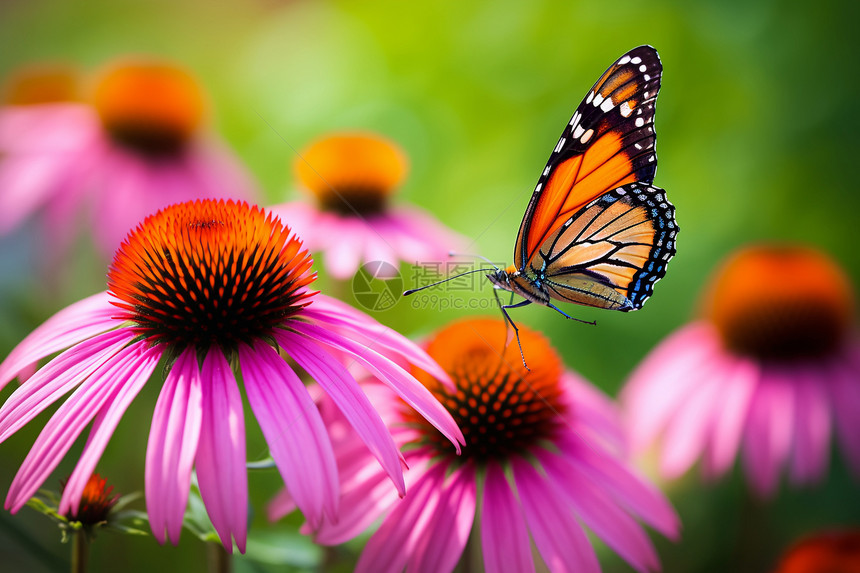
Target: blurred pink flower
column 773, row 364
column 214, row 288
column 137, row 148
column 352, row 177
column 540, row 460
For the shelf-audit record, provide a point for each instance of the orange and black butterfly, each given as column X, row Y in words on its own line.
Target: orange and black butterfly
column 596, row 231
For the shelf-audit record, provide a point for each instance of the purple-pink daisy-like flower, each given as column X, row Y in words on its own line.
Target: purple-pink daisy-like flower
column 352, row 177
column 216, row 289
column 134, row 145
column 769, row 370
column 541, row 460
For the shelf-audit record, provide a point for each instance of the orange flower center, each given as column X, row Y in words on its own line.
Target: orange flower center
column 151, row 108
column 96, row 502
column 502, row 408
column 35, row 85
column 351, row 173
column 209, row 273
column 829, row 553
column 781, row 303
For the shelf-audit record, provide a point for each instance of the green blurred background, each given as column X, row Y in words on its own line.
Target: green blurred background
column 757, row 139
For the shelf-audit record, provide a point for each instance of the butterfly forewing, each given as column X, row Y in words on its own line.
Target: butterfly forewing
column 608, row 142
column 610, row 253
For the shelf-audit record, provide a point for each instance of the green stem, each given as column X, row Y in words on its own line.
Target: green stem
column 80, row 552
column 219, row 559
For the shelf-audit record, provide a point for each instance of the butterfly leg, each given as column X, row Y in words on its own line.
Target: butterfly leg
column 508, row 319
column 552, row 306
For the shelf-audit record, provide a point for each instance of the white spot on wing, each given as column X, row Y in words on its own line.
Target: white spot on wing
column 640, row 122
column 578, row 132
column 587, row 136
column 625, row 109
column 636, row 60
column 560, row 145
column 623, row 60
column 606, row 105
column 590, row 97
column 597, row 99
column 643, row 67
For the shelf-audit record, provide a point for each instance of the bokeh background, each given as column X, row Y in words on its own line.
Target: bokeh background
column 757, row 139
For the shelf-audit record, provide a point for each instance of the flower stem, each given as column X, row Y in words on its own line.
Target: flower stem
column 218, row 558
column 80, row 552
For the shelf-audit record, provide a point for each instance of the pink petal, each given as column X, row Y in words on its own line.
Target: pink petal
column 293, row 430
column 450, row 525
column 845, row 392
column 281, row 505
column 69, row 420
column 58, row 377
column 406, row 386
column 688, row 432
column 69, row 326
column 631, row 490
column 339, row 384
column 145, row 359
column 391, row 547
column 601, row 514
column 504, row 536
column 172, row 447
column 811, row 427
column 558, row 536
column 664, row 381
column 738, row 388
column 592, row 412
column 365, row 329
column 767, row 436
column 221, row 470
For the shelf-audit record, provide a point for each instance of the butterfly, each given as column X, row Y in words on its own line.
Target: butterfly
column 596, row 232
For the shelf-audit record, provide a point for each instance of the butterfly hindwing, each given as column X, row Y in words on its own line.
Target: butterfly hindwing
column 610, row 253
column 608, row 142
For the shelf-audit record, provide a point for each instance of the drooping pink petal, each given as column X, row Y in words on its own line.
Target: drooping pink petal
column 339, row 384
column 600, row 513
column 58, row 377
column 293, row 429
column 366, row 494
column 406, row 386
column 343, row 258
column 281, row 505
column 593, row 413
column 664, row 381
column 768, row 433
column 332, row 311
column 172, row 446
column 68, row 421
column 69, row 326
column 504, row 536
column 845, row 393
column 221, row 470
column 559, row 537
column 389, row 549
column 811, row 426
column 450, row 525
column 631, row 490
column 144, row 360
column 688, row 431
column 738, row 388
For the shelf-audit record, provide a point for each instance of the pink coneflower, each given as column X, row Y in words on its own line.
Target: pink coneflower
column 833, row 552
column 215, row 288
column 138, row 147
column 770, row 367
column 352, row 176
column 539, row 463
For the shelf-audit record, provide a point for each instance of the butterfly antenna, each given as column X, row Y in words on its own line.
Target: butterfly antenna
column 482, row 257
column 437, row 283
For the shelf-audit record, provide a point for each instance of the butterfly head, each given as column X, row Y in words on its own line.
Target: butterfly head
column 501, row 278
